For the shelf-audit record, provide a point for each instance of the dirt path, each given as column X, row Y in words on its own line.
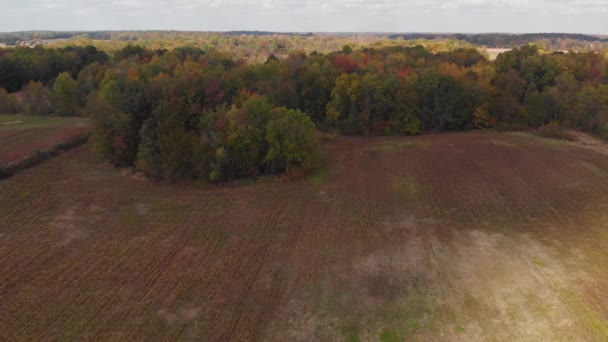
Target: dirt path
column 587, row 141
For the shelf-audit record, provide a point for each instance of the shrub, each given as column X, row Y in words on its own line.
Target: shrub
column 36, row 99
column 291, row 142
column 554, row 131
column 8, row 102
column 64, row 96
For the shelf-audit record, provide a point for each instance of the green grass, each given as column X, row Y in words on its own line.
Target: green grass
column 351, row 333
column 595, row 169
column 409, row 319
column 408, row 186
column 592, row 319
column 539, row 262
column 533, row 137
column 392, row 146
column 504, row 143
column 13, row 121
column 320, row 175
column 388, row 335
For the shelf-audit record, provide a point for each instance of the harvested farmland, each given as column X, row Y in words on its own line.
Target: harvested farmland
column 22, row 135
column 464, row 236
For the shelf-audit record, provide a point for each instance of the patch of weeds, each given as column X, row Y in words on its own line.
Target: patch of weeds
column 537, row 304
column 553, row 131
column 168, row 205
column 5, row 173
column 406, row 185
column 539, row 262
column 474, row 307
column 388, row 335
column 596, row 170
column 218, row 237
column 416, row 309
column 515, row 315
column 16, row 121
column 351, row 333
column 324, row 248
column 586, row 314
column 459, row 329
column 536, row 138
column 407, row 319
column 550, row 142
column 524, row 135
column 320, row 175
column 504, row 143
column 327, row 137
column 390, row 146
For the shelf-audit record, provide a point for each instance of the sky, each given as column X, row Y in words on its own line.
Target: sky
column 468, row 16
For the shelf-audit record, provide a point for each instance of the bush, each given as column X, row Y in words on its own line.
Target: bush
column 602, row 132
column 64, row 96
column 554, row 131
column 327, row 137
column 8, row 103
column 291, row 141
column 36, row 99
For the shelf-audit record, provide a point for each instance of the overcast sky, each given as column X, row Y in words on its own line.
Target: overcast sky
column 573, row 16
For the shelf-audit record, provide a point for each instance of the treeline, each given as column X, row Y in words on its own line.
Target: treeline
column 10, row 38
column 188, row 113
column 20, row 65
column 554, row 41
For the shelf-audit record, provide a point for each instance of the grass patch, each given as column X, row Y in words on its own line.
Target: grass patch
column 391, row 146
column 410, row 319
column 351, row 333
column 327, row 137
column 595, row 169
column 553, row 131
column 539, row 262
column 587, row 315
column 535, row 138
column 320, row 175
column 473, row 305
column 28, row 121
column 504, row 143
column 388, row 335
column 408, row 186
column 40, row 156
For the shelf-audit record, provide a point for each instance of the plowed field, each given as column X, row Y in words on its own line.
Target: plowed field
column 23, row 135
column 467, row 236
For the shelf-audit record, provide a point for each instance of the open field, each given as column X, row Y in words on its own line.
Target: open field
column 494, row 52
column 467, row 236
column 23, row 135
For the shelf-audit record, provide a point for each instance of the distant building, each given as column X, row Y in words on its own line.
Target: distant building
column 30, row 44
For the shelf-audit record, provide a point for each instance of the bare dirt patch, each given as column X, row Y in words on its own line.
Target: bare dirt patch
column 589, row 142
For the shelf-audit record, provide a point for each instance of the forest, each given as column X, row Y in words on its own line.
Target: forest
column 194, row 113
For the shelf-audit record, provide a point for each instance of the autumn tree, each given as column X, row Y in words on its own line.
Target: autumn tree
column 36, row 99
column 290, row 138
column 64, row 96
column 8, row 103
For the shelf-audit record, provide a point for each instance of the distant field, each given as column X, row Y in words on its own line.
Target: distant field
column 22, row 135
column 494, row 52
column 467, row 236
